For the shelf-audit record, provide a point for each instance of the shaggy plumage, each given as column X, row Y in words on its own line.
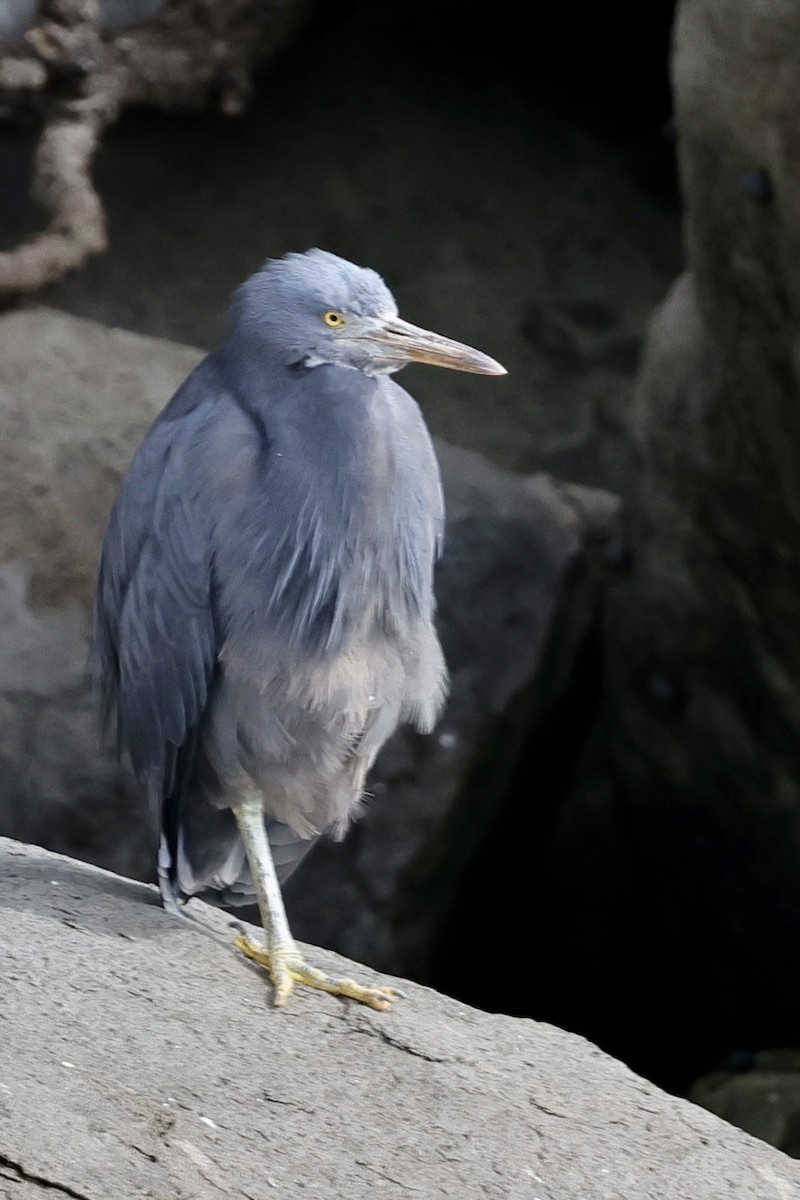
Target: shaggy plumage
column 265, row 609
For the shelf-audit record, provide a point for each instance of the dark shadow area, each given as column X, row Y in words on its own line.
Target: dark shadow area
column 19, row 217
column 491, row 946
column 651, row 924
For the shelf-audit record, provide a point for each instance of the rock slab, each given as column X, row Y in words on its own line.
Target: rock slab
column 139, row 1057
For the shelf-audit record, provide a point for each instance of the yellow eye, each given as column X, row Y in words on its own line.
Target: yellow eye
column 333, row 319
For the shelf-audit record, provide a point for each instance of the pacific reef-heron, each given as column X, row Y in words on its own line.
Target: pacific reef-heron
column 265, row 612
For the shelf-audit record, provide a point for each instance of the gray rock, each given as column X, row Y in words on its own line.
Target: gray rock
column 16, row 17
column 761, row 1096
column 139, row 1057
column 119, row 14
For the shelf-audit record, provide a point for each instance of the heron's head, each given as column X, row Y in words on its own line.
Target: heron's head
column 315, row 308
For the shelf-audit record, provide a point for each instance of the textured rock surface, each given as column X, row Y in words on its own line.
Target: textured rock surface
column 77, row 397
column 139, row 1057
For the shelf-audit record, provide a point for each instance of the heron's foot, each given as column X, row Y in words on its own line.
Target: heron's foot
column 286, row 967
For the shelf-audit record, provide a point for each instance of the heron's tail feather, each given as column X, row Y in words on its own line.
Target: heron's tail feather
column 201, row 853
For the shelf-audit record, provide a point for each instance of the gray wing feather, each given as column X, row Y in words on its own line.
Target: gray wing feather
column 155, row 642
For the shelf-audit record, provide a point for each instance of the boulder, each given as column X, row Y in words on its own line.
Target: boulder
column 140, row 1057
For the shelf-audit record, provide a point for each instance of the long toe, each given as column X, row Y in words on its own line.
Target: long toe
column 287, row 967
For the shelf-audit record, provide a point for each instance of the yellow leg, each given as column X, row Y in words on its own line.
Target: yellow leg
column 280, row 955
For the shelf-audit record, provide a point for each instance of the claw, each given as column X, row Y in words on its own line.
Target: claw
column 285, row 970
column 279, row 955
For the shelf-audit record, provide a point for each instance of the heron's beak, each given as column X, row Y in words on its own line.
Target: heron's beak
column 405, row 343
